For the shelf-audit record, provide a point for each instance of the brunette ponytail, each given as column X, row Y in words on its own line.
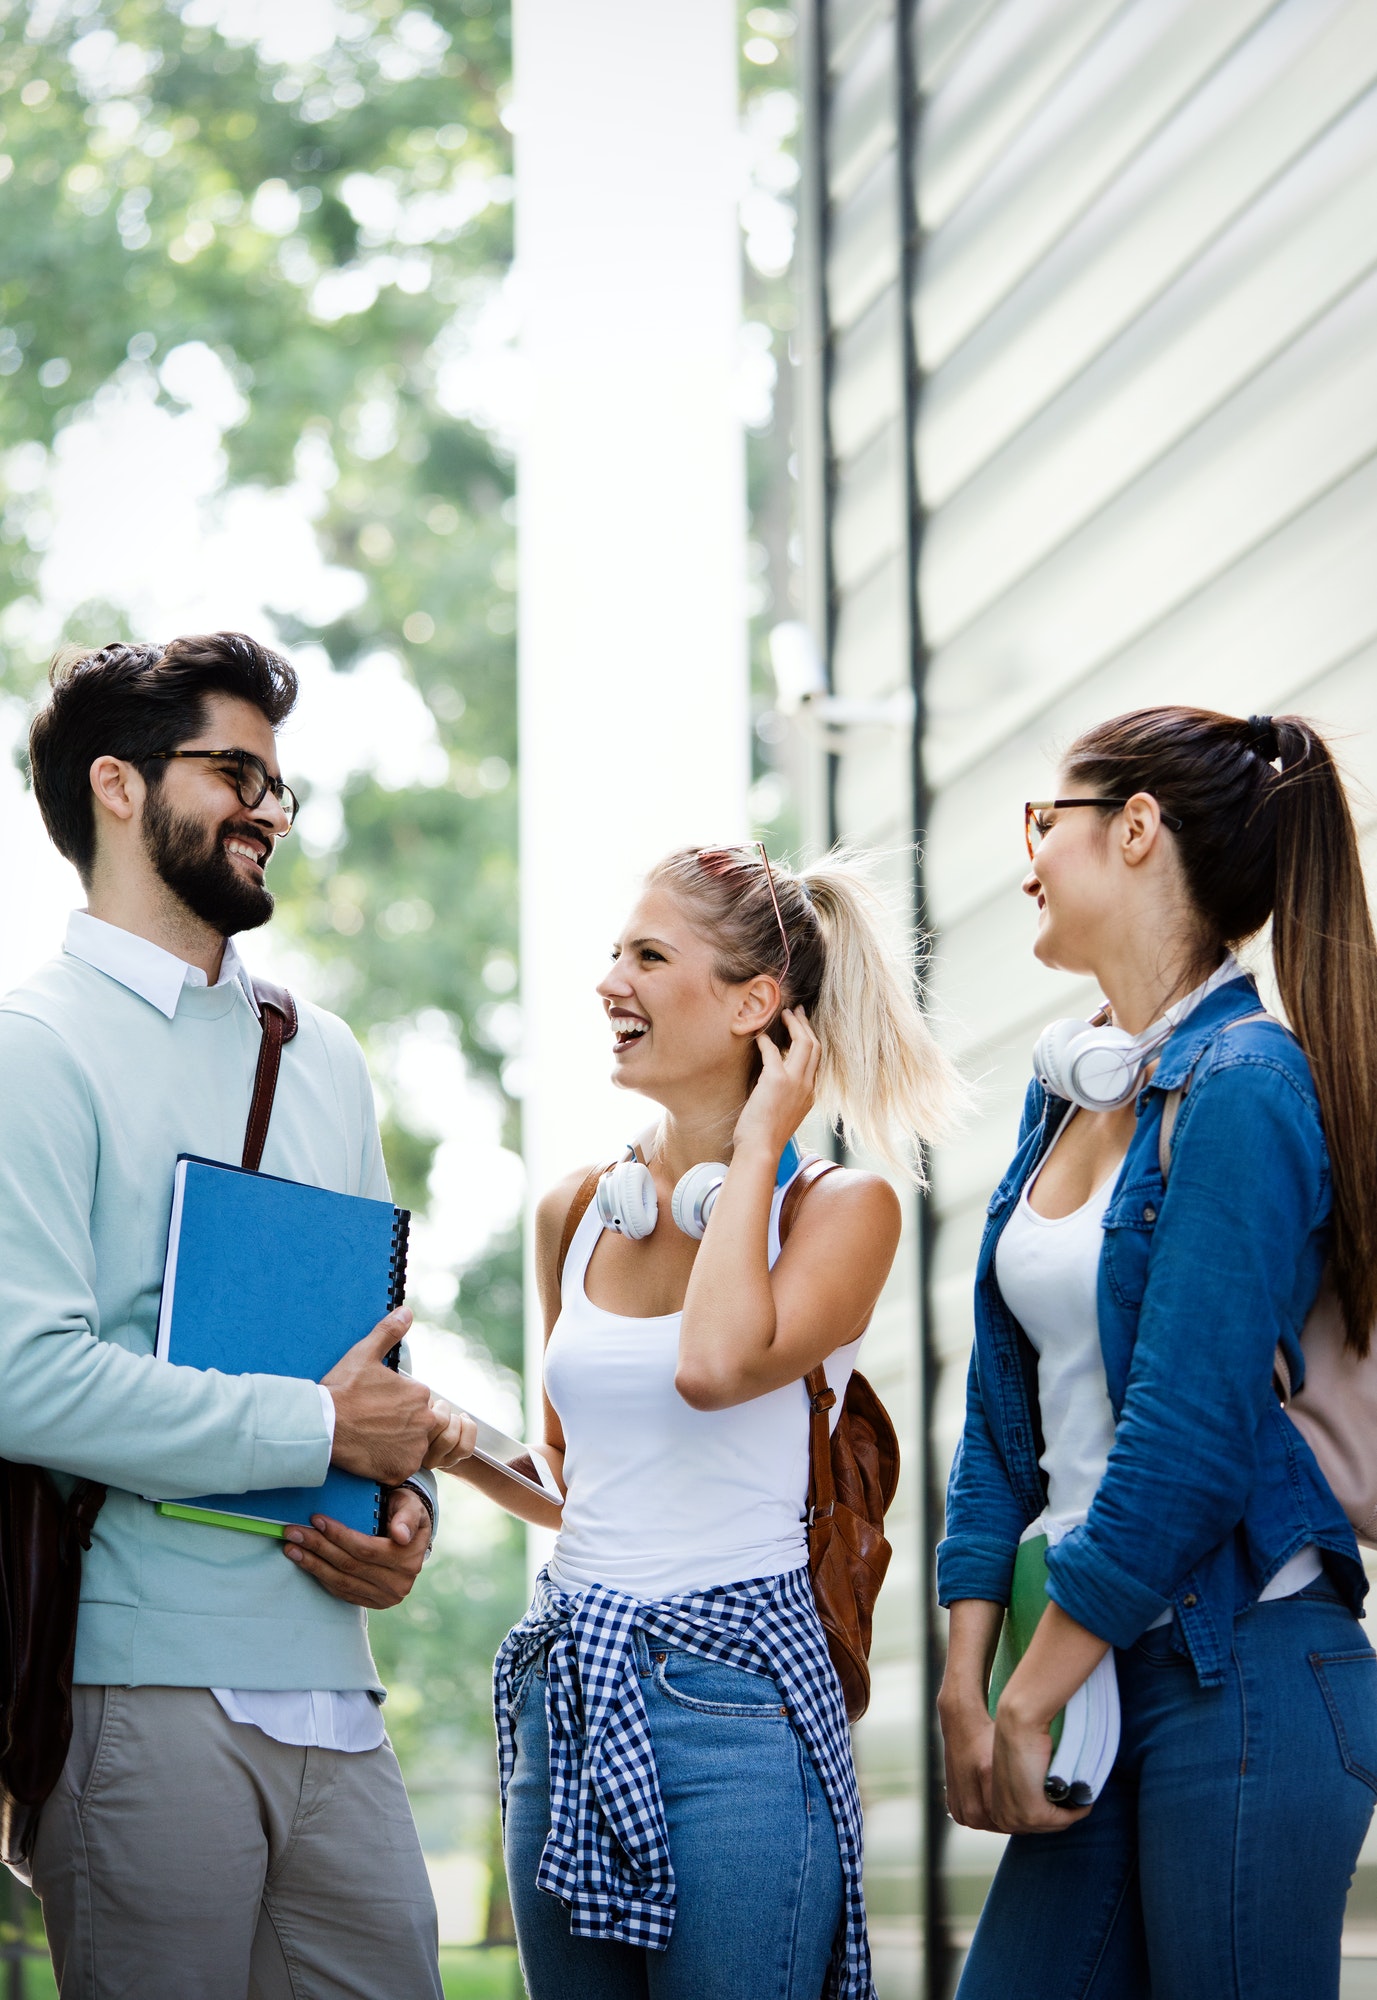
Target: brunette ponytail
column 1266, row 830
column 883, row 1082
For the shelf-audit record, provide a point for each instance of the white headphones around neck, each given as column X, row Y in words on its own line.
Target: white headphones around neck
column 627, row 1201
column 1098, row 1067
column 1091, row 1063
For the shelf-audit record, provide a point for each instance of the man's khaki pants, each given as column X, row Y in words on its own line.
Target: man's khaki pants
column 187, row 1857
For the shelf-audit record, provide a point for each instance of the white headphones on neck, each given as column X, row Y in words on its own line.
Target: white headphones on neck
column 627, row 1201
column 1093, row 1064
column 1098, row 1067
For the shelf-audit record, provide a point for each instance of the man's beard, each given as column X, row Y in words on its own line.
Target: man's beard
column 193, row 863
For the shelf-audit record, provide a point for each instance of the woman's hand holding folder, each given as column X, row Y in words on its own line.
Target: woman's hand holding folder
column 1061, row 1656
column 385, row 1423
column 996, row 1769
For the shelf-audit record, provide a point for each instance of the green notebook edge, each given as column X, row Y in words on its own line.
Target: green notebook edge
column 208, row 1515
column 1027, row 1602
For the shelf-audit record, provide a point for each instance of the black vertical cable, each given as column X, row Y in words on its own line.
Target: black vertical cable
column 934, row 1976
column 816, row 465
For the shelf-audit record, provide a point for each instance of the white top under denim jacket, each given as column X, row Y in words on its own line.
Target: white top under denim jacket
column 1209, row 1489
column 1048, row 1269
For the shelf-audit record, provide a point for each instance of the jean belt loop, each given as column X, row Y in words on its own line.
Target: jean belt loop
column 643, row 1663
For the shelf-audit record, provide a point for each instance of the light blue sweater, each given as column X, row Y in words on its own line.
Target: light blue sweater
column 99, row 1093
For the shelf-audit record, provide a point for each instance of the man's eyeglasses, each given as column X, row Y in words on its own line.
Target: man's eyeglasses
column 1036, row 827
column 248, row 774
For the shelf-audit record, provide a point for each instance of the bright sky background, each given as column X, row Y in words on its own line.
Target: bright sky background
column 178, row 553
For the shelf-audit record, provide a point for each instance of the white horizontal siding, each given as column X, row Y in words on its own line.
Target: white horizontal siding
column 1146, row 318
column 1147, row 452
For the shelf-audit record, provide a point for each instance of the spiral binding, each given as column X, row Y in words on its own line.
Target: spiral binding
column 396, row 1270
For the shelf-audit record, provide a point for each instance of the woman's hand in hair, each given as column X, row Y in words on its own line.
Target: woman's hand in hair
column 783, row 1095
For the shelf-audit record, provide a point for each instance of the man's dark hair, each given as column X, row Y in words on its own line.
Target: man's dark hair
column 131, row 702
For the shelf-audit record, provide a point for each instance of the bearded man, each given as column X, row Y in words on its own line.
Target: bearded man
column 231, row 1821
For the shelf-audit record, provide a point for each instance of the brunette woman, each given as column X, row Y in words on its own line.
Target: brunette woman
column 681, row 1811
column 1122, row 1399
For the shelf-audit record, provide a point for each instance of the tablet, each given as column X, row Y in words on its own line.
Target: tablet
column 516, row 1460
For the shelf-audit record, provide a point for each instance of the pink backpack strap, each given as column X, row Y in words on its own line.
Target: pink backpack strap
column 1171, row 1107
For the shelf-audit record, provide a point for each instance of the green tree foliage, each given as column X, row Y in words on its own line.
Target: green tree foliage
column 320, row 224
column 324, row 222
column 435, row 1655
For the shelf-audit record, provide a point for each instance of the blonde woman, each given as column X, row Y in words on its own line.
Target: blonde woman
column 681, row 1811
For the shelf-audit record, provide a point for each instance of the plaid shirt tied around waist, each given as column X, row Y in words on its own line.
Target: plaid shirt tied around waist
column 607, row 1855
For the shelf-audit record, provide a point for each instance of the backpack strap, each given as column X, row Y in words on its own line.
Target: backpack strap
column 578, row 1208
column 806, row 1177
column 1171, row 1107
column 822, row 1493
column 278, row 1017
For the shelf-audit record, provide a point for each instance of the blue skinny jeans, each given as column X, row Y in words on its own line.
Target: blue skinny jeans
column 757, row 1869
column 1216, row 1862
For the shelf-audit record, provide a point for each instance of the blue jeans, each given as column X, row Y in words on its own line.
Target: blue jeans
column 1216, row 1862
column 757, row 1870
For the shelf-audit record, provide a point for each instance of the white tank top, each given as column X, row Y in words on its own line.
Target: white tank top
column 664, row 1498
column 1048, row 1272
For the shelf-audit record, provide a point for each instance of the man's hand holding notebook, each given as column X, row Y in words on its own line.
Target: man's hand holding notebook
column 387, row 1425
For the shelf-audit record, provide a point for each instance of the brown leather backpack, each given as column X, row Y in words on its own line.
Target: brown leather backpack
column 853, row 1473
column 42, row 1536
column 852, row 1477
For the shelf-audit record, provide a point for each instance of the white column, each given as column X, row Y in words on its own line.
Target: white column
column 633, row 659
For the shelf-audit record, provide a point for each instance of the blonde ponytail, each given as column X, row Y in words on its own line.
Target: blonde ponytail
column 883, row 1083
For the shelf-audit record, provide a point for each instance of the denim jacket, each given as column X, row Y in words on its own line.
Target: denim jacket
column 1209, row 1487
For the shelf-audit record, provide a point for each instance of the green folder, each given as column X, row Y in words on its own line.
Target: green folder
column 211, row 1518
column 1027, row 1602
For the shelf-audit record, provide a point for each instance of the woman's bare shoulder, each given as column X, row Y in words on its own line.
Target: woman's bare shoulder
column 851, row 1195
column 552, row 1210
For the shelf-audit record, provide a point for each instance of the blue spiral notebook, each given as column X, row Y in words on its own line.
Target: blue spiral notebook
column 272, row 1277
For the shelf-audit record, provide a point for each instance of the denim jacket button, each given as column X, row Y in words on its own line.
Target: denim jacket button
column 1149, row 1213
column 1190, row 1600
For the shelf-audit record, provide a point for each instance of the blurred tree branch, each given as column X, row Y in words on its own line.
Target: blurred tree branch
column 322, row 220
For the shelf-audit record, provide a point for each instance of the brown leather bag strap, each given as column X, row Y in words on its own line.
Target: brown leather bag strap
column 805, row 1178
column 822, row 1496
column 277, row 1013
column 578, row 1208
